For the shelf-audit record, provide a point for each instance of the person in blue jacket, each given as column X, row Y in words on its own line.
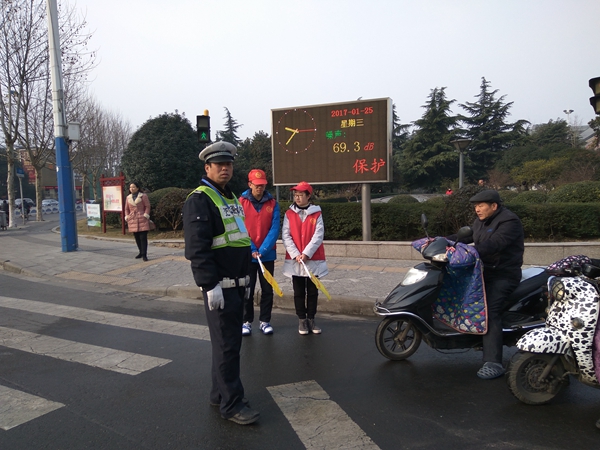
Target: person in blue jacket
column 262, row 222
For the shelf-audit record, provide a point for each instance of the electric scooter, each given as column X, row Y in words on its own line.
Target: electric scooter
column 442, row 301
column 569, row 344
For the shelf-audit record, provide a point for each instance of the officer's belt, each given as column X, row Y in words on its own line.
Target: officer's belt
column 227, row 283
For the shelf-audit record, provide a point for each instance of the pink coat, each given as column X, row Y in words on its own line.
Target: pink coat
column 137, row 213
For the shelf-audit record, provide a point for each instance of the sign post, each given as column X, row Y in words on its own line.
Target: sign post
column 112, row 198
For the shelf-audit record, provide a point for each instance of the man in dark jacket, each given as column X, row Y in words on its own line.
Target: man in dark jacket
column 499, row 238
column 218, row 246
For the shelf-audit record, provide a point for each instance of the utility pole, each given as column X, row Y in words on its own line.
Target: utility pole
column 64, row 172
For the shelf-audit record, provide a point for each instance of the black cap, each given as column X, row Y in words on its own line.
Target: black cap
column 488, row 196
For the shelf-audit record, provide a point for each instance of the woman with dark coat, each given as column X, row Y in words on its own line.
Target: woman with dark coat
column 137, row 215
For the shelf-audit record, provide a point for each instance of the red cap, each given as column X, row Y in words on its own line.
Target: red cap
column 257, row 176
column 303, row 186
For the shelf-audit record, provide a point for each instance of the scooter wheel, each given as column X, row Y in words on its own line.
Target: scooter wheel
column 397, row 338
column 523, row 377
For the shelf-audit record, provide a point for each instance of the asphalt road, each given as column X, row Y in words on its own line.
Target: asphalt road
column 327, row 391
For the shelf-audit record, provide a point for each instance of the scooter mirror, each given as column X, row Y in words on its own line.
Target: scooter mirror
column 464, row 234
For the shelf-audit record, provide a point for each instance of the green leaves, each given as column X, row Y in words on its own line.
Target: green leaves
column 163, row 152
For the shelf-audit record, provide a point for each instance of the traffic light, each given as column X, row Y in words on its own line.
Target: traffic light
column 595, row 100
column 203, row 128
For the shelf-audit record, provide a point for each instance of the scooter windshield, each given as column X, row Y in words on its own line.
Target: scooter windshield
column 461, row 303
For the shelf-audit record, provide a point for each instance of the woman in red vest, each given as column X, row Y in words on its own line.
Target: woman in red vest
column 302, row 234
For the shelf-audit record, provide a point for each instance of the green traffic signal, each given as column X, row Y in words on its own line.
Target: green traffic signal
column 203, row 128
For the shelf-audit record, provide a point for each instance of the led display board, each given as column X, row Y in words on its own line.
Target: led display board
column 348, row 142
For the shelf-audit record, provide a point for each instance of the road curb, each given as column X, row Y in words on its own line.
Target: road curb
column 9, row 266
column 337, row 305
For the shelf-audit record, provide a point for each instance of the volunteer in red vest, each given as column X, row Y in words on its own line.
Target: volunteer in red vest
column 302, row 234
column 262, row 221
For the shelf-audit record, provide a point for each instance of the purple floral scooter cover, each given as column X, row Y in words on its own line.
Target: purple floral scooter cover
column 461, row 303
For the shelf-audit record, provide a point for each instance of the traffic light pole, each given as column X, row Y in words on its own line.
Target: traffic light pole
column 64, row 173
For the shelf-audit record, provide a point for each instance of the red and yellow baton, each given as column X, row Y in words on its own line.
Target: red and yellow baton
column 270, row 278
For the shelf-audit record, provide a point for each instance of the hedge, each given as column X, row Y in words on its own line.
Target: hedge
column 402, row 222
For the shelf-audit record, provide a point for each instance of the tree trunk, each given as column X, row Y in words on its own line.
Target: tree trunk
column 38, row 193
column 10, row 183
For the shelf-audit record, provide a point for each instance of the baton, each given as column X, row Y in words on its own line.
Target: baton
column 270, row 278
column 316, row 281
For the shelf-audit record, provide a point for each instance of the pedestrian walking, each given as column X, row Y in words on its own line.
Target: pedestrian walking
column 262, row 221
column 6, row 210
column 137, row 215
column 302, row 234
column 218, row 247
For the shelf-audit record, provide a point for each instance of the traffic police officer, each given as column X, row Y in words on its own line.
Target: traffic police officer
column 218, row 247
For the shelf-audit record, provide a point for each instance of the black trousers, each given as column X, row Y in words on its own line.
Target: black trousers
column 226, row 340
column 266, row 294
column 497, row 291
column 305, row 297
column 141, row 239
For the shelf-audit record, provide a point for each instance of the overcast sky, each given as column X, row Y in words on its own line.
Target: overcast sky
column 251, row 56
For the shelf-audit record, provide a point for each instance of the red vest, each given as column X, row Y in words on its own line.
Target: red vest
column 302, row 233
column 258, row 223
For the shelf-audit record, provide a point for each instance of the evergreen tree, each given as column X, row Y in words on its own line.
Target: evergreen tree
column 163, row 152
column 253, row 153
column 400, row 135
column 544, row 142
column 428, row 156
column 487, row 127
column 551, row 133
column 594, row 124
column 230, row 133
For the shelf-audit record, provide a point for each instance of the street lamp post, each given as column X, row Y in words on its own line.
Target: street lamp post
column 461, row 145
column 568, row 113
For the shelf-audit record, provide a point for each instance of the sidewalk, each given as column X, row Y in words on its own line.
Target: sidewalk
column 353, row 283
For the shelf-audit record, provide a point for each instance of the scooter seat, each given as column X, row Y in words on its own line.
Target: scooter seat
column 529, row 286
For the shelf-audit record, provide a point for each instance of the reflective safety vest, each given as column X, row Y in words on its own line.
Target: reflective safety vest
column 232, row 215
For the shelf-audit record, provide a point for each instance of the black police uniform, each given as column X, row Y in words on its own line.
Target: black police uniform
column 202, row 222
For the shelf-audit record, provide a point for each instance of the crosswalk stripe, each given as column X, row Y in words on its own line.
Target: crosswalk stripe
column 91, row 355
column 187, row 330
column 318, row 421
column 18, row 407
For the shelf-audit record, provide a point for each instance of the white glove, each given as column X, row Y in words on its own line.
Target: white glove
column 147, row 216
column 215, row 298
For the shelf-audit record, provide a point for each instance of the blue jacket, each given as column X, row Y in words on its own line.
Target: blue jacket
column 267, row 249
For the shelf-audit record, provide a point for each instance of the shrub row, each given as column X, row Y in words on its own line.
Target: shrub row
column 402, row 222
column 544, row 217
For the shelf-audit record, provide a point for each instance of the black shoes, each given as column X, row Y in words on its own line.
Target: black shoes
column 139, row 256
column 144, row 258
column 246, row 416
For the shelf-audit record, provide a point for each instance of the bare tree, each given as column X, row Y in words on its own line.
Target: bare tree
column 25, row 88
column 104, row 138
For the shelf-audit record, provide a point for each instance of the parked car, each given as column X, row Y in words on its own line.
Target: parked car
column 49, row 203
column 30, row 202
